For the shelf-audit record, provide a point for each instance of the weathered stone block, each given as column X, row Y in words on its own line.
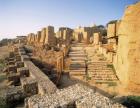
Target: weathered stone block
column 11, row 54
column 19, row 64
column 11, row 63
column 29, row 86
column 22, row 53
column 25, row 58
column 11, row 59
column 14, row 77
column 23, row 71
column 15, row 49
column 12, row 68
column 18, row 58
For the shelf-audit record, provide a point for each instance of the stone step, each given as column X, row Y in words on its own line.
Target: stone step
column 96, row 64
column 100, row 72
column 79, row 44
column 101, row 76
column 99, row 67
column 104, row 74
column 74, row 68
column 77, row 52
column 80, row 50
column 77, row 70
column 102, row 69
column 76, row 55
column 77, row 64
column 77, row 77
column 77, row 61
column 104, row 79
column 77, row 58
column 76, row 73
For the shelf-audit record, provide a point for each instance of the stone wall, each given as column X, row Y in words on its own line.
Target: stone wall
column 44, row 83
column 128, row 58
column 65, row 35
column 31, row 38
column 83, row 34
column 45, row 36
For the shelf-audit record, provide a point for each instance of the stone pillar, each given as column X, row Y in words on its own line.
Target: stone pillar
column 43, row 36
column 50, row 37
column 96, row 38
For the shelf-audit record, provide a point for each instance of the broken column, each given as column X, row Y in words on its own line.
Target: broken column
column 43, row 36
column 96, row 38
column 50, row 37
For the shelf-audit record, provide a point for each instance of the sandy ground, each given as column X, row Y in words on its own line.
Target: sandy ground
column 4, row 51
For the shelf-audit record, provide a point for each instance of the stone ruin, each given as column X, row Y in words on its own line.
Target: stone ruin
column 29, row 82
column 82, row 34
column 122, row 48
column 39, row 91
column 64, row 35
column 23, row 75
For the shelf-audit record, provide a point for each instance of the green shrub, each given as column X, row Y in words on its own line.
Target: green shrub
column 132, row 102
column 112, row 84
column 2, row 63
column 112, row 67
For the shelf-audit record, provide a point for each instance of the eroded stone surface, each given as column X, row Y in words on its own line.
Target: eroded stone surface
column 66, row 97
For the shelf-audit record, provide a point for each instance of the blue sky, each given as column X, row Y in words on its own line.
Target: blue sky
column 20, row 17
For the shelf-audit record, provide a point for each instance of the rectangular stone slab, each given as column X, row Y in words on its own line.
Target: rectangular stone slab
column 23, row 71
column 29, row 85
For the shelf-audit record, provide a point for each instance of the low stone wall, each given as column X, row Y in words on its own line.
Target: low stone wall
column 24, row 72
column 44, row 83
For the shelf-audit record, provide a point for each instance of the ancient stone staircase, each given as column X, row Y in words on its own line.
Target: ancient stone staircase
column 98, row 70
column 101, row 71
column 77, row 68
